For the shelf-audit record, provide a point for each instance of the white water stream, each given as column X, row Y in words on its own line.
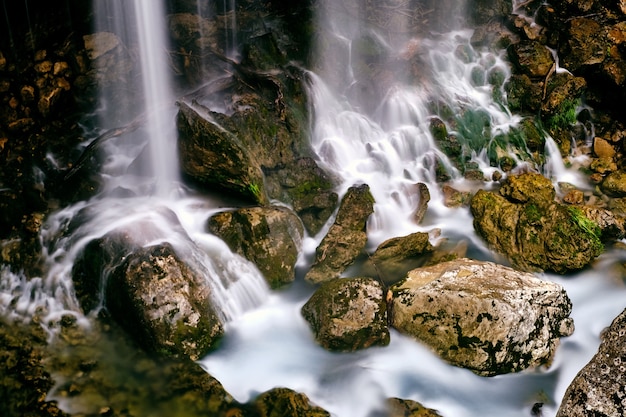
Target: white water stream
column 386, row 144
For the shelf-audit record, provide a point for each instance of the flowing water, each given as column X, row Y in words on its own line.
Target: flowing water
column 373, row 131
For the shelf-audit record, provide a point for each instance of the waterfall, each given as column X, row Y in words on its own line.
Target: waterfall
column 373, row 127
column 141, row 192
column 151, row 28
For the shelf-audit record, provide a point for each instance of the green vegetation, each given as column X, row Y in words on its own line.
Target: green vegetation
column 588, row 226
column 565, row 116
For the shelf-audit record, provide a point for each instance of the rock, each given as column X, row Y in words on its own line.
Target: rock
column 584, row 44
column 422, row 206
column 162, row 304
column 483, row 11
column 614, row 184
column 611, row 225
column 525, row 187
column 215, row 158
column 407, row 408
column 531, row 58
column 395, row 257
column 346, row 238
column 283, row 402
column 562, row 92
column 482, row 316
column 269, row 237
column 25, row 381
column 602, row 148
column 533, row 231
column 308, row 188
column 348, row 314
column 109, row 57
column 453, row 197
column 598, row 389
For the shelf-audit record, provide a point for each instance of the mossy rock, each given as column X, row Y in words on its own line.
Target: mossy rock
column 269, row 237
column 215, row 158
column 346, row 238
column 538, row 233
column 284, row 402
column 348, row 314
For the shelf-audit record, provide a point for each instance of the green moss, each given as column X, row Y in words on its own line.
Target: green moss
column 588, row 226
column 565, row 116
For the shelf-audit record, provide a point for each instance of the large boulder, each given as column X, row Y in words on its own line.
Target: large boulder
column 532, row 230
column 482, row 316
column 598, row 389
column 346, row 238
column 163, row 304
column 269, row 237
column 215, row 158
column 347, row 314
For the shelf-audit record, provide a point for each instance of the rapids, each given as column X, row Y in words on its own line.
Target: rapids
column 384, row 141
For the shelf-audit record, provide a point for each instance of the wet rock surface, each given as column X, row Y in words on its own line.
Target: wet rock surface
column 163, row 304
column 269, row 237
column 524, row 223
column 482, row 316
column 348, row 314
column 598, row 389
column 346, row 238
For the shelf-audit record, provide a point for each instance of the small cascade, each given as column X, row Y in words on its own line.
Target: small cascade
column 383, row 137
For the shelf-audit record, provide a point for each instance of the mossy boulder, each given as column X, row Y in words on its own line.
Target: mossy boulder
column 532, row 230
column 398, row 407
column 283, row 402
column 346, row 238
column 531, row 58
column 308, row 188
column 614, row 184
column 163, row 304
column 24, row 378
column 269, row 237
column 348, row 314
column 214, row 158
column 482, row 316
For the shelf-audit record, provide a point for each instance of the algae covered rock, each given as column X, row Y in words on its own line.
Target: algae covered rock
column 482, row 316
column 215, row 158
column 346, row 238
column 598, row 389
column 269, row 237
column 283, row 402
column 347, row 314
column 398, row 407
column 163, row 304
column 533, row 231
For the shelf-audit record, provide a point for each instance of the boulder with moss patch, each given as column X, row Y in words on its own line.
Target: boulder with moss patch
column 346, row 238
column 525, row 224
column 347, row 314
column 269, row 237
column 482, row 316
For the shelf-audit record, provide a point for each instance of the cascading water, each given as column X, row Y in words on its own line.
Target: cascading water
column 141, row 192
column 377, row 133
